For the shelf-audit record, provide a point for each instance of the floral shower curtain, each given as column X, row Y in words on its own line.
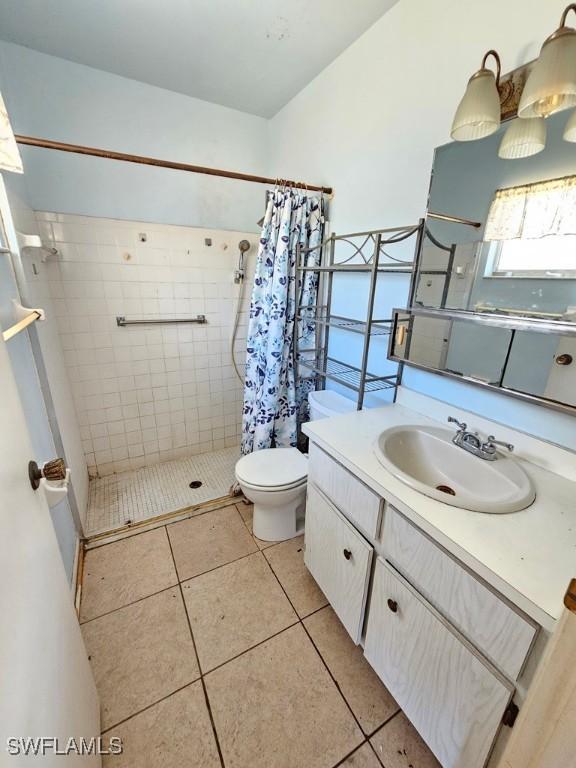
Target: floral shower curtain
column 271, row 403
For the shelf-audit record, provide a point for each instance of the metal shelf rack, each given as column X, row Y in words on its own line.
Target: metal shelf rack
column 320, row 316
column 364, row 252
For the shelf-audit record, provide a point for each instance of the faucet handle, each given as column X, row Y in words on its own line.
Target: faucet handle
column 491, row 442
column 461, row 425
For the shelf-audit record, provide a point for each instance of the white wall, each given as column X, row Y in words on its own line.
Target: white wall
column 146, row 394
column 31, row 391
column 369, row 123
column 35, row 293
column 57, row 99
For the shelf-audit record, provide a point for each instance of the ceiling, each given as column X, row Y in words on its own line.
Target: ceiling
column 251, row 55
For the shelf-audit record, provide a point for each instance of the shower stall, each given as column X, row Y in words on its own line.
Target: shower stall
column 146, row 293
column 156, row 388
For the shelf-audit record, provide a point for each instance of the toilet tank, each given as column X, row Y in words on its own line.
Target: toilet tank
column 325, row 403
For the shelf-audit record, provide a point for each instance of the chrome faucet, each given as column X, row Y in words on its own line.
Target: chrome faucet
column 471, row 442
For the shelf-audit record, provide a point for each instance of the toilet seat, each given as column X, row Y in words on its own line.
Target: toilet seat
column 273, row 469
column 272, row 488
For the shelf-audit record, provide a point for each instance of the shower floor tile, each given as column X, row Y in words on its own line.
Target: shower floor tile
column 130, row 497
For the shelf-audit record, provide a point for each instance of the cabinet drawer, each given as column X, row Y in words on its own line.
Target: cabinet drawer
column 339, row 559
column 453, row 697
column 498, row 630
column 349, row 494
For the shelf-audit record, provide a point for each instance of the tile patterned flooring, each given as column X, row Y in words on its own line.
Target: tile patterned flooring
column 211, row 649
column 115, row 500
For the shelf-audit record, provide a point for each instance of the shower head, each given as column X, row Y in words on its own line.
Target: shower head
column 243, row 246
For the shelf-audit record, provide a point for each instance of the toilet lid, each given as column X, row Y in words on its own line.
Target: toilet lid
column 273, row 467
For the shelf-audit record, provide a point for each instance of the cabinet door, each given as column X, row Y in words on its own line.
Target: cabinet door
column 348, row 494
column 453, row 698
column 496, row 628
column 339, row 559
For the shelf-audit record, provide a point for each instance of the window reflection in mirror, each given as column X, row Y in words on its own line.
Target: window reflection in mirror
column 522, row 259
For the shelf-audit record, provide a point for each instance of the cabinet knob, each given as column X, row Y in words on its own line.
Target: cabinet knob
column 347, row 554
column 564, row 359
column 393, row 605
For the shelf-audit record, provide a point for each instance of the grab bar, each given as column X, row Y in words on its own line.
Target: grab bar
column 20, row 325
column 199, row 319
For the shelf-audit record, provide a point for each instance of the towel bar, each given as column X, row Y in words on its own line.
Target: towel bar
column 199, row 319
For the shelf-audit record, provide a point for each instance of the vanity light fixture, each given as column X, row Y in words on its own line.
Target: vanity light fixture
column 10, row 159
column 478, row 114
column 523, row 138
column 570, row 129
column 551, row 85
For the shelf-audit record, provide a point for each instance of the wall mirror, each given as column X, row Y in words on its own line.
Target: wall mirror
column 521, row 259
column 494, row 292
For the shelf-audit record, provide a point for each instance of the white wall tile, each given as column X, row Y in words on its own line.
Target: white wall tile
column 146, row 394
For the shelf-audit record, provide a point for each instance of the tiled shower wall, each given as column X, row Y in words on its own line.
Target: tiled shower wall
column 146, row 394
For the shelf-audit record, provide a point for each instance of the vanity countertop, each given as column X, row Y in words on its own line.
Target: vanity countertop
column 528, row 556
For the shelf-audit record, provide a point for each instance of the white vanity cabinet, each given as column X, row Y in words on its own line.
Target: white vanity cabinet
column 454, row 699
column 447, row 646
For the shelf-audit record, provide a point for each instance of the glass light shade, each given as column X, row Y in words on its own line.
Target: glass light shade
column 551, row 85
column 10, row 159
column 570, row 129
column 478, row 114
column 523, row 138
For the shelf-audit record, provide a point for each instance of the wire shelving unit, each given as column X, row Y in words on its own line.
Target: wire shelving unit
column 364, row 252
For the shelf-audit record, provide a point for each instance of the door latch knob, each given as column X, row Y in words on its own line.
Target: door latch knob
column 347, row 554
column 393, row 605
column 52, row 470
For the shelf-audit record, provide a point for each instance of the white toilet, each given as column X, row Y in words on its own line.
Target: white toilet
column 274, row 479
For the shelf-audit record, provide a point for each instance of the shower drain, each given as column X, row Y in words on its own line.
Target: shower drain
column 195, row 484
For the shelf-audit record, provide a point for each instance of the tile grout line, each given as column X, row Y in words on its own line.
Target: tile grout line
column 149, row 706
column 353, row 752
column 367, row 737
column 202, row 674
column 251, row 648
column 127, row 605
column 161, row 524
column 178, row 580
column 301, row 621
column 206, row 699
column 388, row 719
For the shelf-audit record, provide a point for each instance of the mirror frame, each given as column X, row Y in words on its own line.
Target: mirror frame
column 507, row 322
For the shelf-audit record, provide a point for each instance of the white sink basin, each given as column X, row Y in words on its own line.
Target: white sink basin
column 426, row 459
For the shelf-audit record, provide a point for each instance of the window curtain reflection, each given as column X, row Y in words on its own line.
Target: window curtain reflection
column 271, row 403
column 533, row 210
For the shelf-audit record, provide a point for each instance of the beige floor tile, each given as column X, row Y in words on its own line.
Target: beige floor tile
column 398, row 745
column 362, row 758
column 247, row 513
column 367, row 696
column 235, row 607
column 140, row 653
column 174, row 733
column 287, row 560
column 276, row 706
column 120, row 573
column 208, row 541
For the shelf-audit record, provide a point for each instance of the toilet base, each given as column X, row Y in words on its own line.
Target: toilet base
column 279, row 522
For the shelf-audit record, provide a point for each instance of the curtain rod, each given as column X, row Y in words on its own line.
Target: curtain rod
column 78, row 149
